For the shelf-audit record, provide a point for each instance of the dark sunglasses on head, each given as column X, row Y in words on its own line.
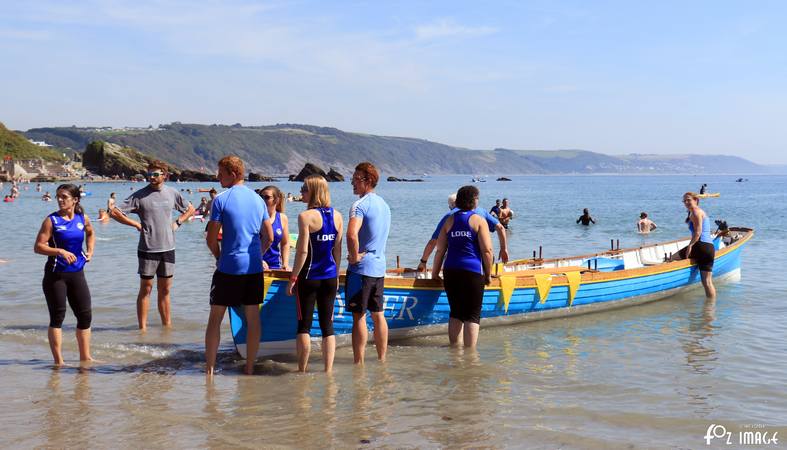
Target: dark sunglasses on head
column 267, row 197
column 155, row 174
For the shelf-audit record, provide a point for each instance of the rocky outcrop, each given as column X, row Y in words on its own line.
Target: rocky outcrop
column 107, row 159
column 333, row 175
column 257, row 177
column 192, row 175
column 311, row 169
column 414, row 180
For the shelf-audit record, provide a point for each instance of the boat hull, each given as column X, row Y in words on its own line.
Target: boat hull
column 415, row 307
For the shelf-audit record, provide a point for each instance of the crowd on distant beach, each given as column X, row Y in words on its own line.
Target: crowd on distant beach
column 248, row 233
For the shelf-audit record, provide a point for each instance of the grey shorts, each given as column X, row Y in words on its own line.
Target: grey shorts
column 159, row 263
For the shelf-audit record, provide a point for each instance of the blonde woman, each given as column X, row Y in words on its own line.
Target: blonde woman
column 278, row 255
column 315, row 273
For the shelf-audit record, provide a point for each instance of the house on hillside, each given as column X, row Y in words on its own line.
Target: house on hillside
column 27, row 169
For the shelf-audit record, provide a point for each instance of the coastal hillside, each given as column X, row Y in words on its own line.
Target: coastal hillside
column 285, row 148
column 17, row 146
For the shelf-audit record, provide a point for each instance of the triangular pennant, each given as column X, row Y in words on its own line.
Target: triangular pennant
column 543, row 285
column 574, row 280
column 267, row 281
column 507, row 285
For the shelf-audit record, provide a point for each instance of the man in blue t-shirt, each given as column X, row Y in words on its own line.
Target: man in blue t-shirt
column 241, row 216
column 491, row 221
column 367, row 234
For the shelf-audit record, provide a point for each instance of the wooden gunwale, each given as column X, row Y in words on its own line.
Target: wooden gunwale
column 526, row 279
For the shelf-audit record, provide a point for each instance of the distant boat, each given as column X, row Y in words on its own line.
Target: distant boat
column 521, row 291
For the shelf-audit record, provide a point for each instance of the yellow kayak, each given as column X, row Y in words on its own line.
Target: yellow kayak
column 715, row 194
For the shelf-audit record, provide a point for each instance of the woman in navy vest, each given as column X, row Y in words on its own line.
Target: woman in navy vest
column 61, row 238
column 466, row 246
column 315, row 274
column 700, row 248
column 278, row 255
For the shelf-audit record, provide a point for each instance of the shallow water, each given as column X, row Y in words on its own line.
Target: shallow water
column 652, row 376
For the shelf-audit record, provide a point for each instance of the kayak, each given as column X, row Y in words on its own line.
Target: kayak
column 713, row 195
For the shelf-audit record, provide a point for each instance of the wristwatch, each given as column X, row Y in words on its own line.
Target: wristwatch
column 177, row 221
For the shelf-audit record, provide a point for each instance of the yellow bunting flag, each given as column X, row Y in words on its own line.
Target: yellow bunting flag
column 543, row 285
column 266, row 285
column 507, row 285
column 574, row 280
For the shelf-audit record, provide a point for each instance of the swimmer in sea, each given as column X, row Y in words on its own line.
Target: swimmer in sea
column 585, row 218
column 506, row 213
column 495, row 211
column 103, row 216
column 645, row 225
column 46, row 197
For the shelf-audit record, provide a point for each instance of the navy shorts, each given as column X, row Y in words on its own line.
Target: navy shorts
column 236, row 290
column 363, row 293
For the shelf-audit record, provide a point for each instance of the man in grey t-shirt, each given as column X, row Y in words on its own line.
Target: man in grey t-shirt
column 156, row 250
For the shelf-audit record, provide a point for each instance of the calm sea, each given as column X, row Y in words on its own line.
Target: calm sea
column 654, row 376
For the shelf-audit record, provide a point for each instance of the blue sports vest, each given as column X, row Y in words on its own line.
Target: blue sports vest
column 273, row 255
column 320, row 264
column 68, row 235
column 705, row 233
column 463, row 250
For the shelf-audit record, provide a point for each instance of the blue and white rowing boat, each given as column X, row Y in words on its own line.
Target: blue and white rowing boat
column 520, row 291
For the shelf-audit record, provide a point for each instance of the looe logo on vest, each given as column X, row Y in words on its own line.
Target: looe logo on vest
column 326, row 237
column 461, row 234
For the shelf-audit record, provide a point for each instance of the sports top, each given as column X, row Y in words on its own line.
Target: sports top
column 68, row 235
column 464, row 252
column 320, row 264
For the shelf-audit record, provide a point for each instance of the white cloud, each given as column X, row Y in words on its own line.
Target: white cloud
column 442, row 28
column 25, row 35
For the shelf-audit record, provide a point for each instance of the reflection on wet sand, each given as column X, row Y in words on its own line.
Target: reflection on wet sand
column 701, row 356
column 67, row 418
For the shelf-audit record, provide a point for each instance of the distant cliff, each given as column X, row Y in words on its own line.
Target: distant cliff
column 17, row 146
column 285, row 148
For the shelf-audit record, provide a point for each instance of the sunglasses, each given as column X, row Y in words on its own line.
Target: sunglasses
column 304, row 189
column 267, row 197
column 155, row 174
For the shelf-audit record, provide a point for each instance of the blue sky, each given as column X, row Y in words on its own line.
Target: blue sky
column 608, row 76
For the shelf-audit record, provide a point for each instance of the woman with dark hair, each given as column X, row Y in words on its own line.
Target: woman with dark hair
column 315, row 273
column 465, row 244
column 61, row 238
column 278, row 255
column 700, row 248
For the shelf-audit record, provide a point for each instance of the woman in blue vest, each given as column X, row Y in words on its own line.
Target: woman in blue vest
column 700, row 248
column 61, row 238
column 278, row 255
column 466, row 246
column 315, row 274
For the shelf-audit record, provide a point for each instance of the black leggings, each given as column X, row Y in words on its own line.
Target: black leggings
column 465, row 292
column 703, row 253
column 322, row 292
column 70, row 286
